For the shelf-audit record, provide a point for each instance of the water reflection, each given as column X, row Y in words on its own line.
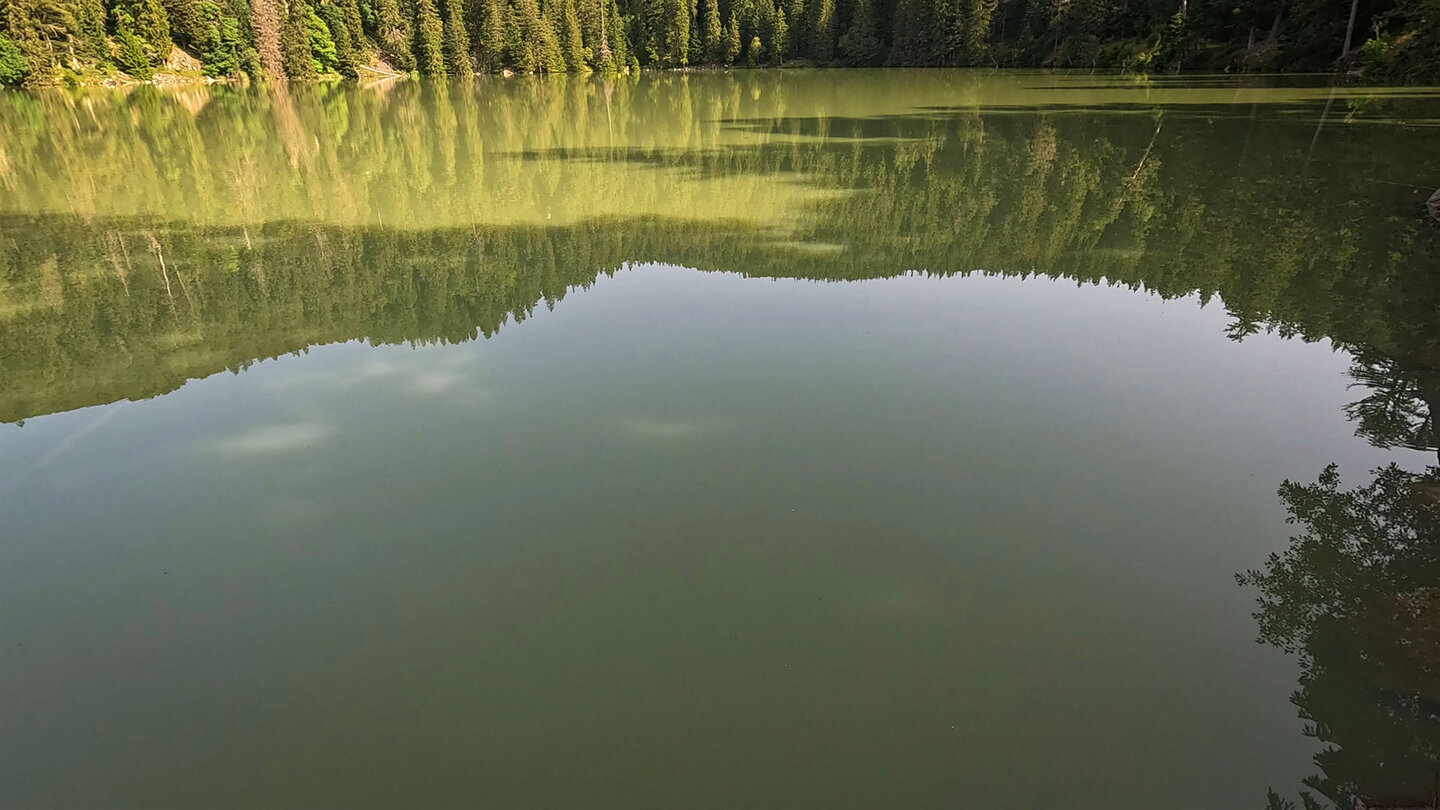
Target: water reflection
column 151, row 239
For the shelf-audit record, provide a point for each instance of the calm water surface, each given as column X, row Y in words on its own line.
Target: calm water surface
column 806, row 439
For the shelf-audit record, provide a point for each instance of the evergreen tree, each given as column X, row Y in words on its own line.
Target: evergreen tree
column 393, row 34
column 781, row 42
column 152, row 25
column 265, row 27
column 347, row 55
column 616, row 36
column 457, row 39
column 732, row 39
column 909, row 40
column 860, row 47
column 13, row 67
column 355, row 26
column 531, row 40
column 973, row 44
column 552, row 53
column 571, row 42
column 490, row 30
column 429, row 38
column 295, row 41
column 714, row 35
column 822, row 28
column 677, row 33
column 130, row 56
column 186, row 23
column 36, row 55
column 591, row 14
column 323, row 55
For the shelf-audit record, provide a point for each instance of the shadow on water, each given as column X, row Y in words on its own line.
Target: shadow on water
column 244, row 226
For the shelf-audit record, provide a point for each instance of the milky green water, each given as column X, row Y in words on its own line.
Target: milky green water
column 803, row 439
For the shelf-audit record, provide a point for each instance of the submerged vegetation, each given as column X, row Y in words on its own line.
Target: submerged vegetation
column 48, row 41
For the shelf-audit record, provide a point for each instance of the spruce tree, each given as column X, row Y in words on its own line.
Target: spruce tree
column 714, row 34
column 457, row 39
column 295, row 41
column 652, row 26
column 732, row 39
column 765, row 28
column 393, row 32
column 860, row 47
column 552, row 53
column 974, row 47
column 323, row 55
column 350, row 14
column 152, row 24
column 187, row 25
column 347, row 55
column 592, row 20
column 13, row 66
column 519, row 51
column 429, row 38
column 781, row 43
column 910, row 42
column 617, row 37
column 572, row 44
column 265, row 28
column 822, row 29
column 130, row 56
column 490, row 29
column 677, row 32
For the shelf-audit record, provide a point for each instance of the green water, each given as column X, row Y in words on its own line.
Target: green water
column 805, row 439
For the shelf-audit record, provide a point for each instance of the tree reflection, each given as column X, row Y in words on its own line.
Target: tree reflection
column 1356, row 597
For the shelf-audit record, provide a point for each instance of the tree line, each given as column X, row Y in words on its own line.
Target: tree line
column 49, row 41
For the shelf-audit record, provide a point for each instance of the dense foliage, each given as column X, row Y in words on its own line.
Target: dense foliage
column 42, row 41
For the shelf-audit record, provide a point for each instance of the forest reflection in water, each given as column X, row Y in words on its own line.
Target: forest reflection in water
column 154, row 238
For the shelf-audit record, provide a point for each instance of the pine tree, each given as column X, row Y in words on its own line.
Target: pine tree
column 350, row 15
column 780, row 45
column 860, row 47
column 130, row 56
column 265, row 27
column 974, row 46
column 429, row 38
column 393, row 33
column 732, row 39
column 323, row 55
column 910, row 42
column 946, row 31
column 457, row 39
column 822, row 46
column 677, row 33
column 714, row 34
column 572, row 44
column 347, row 55
column 490, row 28
column 187, row 25
column 152, row 24
column 13, row 66
column 591, row 15
column 295, row 41
column 552, row 53
column 616, row 36
column 765, row 28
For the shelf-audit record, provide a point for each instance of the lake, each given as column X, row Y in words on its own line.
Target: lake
column 757, row 439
